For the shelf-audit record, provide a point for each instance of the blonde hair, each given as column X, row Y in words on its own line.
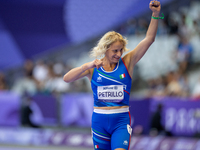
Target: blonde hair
column 106, row 41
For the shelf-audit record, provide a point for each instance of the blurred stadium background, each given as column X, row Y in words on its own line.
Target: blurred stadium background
column 40, row 40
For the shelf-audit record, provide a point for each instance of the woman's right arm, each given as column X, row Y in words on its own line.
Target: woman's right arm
column 82, row 71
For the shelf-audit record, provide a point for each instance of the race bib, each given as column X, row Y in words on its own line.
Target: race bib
column 110, row 93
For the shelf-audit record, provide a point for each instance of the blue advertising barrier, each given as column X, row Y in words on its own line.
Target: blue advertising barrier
column 9, row 109
column 45, row 110
column 181, row 117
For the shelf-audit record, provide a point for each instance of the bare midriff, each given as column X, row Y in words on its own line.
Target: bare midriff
column 108, row 108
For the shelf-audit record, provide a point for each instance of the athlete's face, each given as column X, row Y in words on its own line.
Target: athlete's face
column 115, row 52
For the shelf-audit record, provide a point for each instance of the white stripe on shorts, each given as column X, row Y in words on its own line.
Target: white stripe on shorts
column 111, row 111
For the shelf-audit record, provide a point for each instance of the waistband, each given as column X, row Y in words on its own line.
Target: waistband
column 111, row 111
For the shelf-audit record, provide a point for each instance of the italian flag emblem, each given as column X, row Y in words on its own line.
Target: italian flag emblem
column 122, row 76
column 96, row 146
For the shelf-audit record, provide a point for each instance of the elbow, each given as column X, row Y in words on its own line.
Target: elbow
column 65, row 79
column 152, row 39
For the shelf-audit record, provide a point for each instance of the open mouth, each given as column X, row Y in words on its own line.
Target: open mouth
column 116, row 58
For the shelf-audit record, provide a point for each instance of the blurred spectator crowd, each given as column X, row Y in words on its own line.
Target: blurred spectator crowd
column 45, row 78
column 184, row 21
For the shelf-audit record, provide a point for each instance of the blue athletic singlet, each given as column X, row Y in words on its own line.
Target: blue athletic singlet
column 111, row 88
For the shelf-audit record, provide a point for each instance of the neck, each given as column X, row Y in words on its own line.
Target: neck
column 107, row 65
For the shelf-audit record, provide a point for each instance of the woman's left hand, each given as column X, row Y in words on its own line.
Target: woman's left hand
column 155, row 6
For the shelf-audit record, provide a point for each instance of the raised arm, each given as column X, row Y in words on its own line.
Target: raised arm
column 135, row 55
column 82, row 71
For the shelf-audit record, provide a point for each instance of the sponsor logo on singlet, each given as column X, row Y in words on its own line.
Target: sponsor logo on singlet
column 110, row 93
column 99, row 79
